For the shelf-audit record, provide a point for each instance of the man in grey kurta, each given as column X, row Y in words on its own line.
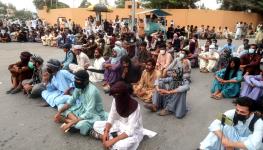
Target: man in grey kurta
column 170, row 95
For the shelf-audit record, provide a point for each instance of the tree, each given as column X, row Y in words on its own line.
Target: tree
column 120, row 3
column 23, row 14
column 39, row 4
column 2, row 9
column 242, row 5
column 169, row 4
column 51, row 4
column 84, row 4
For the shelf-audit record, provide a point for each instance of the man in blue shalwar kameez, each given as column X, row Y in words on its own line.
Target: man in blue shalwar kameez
column 82, row 115
column 60, row 82
column 245, row 133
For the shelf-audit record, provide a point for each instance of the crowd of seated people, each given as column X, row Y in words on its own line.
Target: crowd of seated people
column 155, row 69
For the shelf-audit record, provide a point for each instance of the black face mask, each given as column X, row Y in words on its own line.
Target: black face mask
column 81, row 85
column 238, row 117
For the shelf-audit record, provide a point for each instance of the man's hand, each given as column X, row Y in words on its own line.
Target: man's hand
column 67, row 92
column 27, row 87
column 226, row 142
column 57, row 117
column 141, row 93
column 107, row 66
column 86, row 66
column 107, row 144
column 163, row 91
column 242, row 66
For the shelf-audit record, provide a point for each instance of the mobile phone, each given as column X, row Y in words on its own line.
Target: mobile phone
column 227, row 120
column 114, row 134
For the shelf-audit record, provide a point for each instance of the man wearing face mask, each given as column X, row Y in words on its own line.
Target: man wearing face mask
column 19, row 72
column 33, row 87
column 180, row 62
column 250, row 63
column 124, row 129
column 208, row 61
column 245, row 131
column 170, row 95
column 163, row 61
column 59, row 85
column 82, row 115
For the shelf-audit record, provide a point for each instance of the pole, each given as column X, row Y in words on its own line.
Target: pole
column 133, row 14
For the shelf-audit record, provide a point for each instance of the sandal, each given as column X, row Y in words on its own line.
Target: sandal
column 95, row 134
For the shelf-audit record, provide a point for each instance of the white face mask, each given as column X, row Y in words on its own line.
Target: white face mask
column 181, row 56
column 251, row 51
column 211, row 50
column 3, row 31
column 162, row 52
column 90, row 41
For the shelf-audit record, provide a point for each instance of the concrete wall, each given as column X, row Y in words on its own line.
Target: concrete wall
column 181, row 17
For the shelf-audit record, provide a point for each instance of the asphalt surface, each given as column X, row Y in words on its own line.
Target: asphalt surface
column 24, row 125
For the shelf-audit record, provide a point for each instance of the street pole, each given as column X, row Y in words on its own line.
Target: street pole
column 133, row 14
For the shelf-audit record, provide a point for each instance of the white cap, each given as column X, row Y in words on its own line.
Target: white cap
column 77, row 47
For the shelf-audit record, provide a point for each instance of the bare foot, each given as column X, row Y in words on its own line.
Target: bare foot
column 65, row 127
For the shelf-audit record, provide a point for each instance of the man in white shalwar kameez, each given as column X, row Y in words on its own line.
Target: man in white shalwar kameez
column 124, row 129
column 83, row 61
column 243, row 134
column 94, row 71
column 239, row 30
column 208, row 60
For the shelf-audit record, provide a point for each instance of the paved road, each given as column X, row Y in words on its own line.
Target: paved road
column 26, row 126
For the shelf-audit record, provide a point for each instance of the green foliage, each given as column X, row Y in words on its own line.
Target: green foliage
column 51, row 4
column 39, row 4
column 84, row 4
column 243, row 5
column 21, row 14
column 120, row 3
column 2, row 8
column 169, row 4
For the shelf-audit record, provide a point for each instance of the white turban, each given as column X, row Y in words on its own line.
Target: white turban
column 77, row 47
column 118, row 43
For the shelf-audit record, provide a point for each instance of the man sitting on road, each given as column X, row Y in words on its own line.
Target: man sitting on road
column 245, row 133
